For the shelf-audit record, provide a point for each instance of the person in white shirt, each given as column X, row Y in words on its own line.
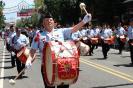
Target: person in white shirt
column 49, row 33
column 130, row 36
column 120, row 32
column 105, row 35
column 12, row 33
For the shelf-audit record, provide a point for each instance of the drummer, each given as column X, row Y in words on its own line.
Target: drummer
column 130, row 36
column 106, row 33
column 94, row 33
column 48, row 33
column 120, row 32
column 18, row 42
column 10, row 36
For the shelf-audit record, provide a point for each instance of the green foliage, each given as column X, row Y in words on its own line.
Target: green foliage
column 2, row 18
column 64, row 11
column 67, row 11
column 34, row 19
column 23, row 22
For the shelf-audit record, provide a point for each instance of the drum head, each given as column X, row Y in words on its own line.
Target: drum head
column 22, row 56
column 48, row 65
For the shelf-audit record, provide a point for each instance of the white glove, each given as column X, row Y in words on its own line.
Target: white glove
column 87, row 18
column 127, row 39
column 28, row 63
column 117, row 36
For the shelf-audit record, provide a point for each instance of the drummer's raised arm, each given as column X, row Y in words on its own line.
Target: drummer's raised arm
column 87, row 18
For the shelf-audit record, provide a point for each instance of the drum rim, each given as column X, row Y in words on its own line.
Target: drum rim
column 44, row 68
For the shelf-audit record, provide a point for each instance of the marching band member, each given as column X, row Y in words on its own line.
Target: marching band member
column 48, row 33
column 120, row 34
column 97, row 34
column 10, row 36
column 94, row 34
column 84, row 44
column 30, row 34
column 83, row 35
column 106, row 34
column 81, row 42
column 76, row 36
column 130, row 36
column 19, row 41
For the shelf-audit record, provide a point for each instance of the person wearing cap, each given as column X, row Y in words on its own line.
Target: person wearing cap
column 94, row 33
column 130, row 36
column 105, row 34
column 18, row 42
column 120, row 32
column 10, row 36
column 49, row 33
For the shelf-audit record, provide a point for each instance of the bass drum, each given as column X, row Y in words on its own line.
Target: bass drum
column 60, row 63
column 83, row 48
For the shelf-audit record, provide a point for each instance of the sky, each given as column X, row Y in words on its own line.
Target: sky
column 12, row 6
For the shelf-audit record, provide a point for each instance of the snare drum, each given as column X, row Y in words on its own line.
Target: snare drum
column 110, row 41
column 60, row 63
column 94, row 40
column 123, row 38
column 23, row 54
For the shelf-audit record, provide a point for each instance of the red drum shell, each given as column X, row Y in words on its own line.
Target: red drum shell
column 23, row 55
column 56, row 69
column 123, row 39
column 94, row 40
column 110, row 41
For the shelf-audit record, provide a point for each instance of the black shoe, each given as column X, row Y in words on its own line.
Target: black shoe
column 90, row 55
column 119, row 53
column 131, row 64
column 13, row 66
column 105, row 57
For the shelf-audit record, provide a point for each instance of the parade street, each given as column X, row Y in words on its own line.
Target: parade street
column 94, row 72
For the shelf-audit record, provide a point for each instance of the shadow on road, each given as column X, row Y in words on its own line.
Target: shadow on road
column 97, row 58
column 7, row 58
column 125, row 65
column 125, row 56
column 12, row 77
column 5, row 61
column 112, row 86
column 6, row 67
column 114, row 53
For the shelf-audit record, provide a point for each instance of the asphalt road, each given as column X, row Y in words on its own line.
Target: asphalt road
column 95, row 72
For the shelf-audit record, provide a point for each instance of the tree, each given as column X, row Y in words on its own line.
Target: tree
column 67, row 11
column 2, row 18
column 64, row 11
column 39, row 6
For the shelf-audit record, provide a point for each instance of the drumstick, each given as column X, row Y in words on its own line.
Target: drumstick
column 12, row 81
column 82, row 7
